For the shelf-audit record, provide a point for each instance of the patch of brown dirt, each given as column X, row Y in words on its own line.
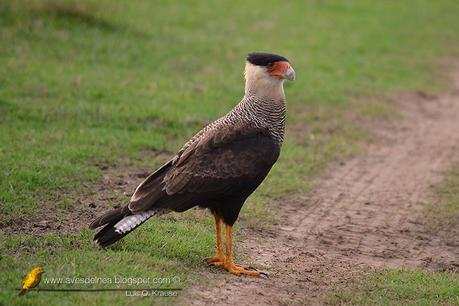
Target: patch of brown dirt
column 116, row 186
column 365, row 213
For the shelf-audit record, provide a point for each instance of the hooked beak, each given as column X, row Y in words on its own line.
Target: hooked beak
column 289, row 74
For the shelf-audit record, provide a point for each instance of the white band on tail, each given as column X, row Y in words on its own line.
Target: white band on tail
column 130, row 222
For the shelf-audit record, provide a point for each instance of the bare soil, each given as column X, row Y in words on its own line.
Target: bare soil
column 366, row 213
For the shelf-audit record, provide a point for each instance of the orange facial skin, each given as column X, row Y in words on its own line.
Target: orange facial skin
column 278, row 69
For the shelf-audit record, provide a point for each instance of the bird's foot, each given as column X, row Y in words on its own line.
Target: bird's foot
column 216, row 260
column 239, row 270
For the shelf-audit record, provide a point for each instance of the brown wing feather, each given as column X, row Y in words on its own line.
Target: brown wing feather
column 215, row 164
column 150, row 190
column 221, row 156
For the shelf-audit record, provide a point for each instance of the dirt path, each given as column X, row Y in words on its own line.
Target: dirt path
column 365, row 213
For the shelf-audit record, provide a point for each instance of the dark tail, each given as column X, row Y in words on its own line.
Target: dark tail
column 118, row 223
column 22, row 292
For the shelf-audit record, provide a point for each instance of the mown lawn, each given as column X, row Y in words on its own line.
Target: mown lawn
column 90, row 82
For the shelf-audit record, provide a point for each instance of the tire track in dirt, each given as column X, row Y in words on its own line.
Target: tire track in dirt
column 364, row 214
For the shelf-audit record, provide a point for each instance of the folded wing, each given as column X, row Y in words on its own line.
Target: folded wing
column 223, row 162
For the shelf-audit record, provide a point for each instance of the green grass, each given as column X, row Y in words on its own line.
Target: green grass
column 88, row 82
column 166, row 250
column 443, row 214
column 401, row 287
column 116, row 78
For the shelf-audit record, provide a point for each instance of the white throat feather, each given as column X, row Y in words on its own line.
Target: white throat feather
column 259, row 83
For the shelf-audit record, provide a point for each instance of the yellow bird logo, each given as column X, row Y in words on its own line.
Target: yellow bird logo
column 31, row 280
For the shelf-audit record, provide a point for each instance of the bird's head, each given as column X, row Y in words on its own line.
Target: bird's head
column 266, row 71
column 38, row 271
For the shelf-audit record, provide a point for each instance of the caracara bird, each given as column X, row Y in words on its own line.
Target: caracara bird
column 219, row 167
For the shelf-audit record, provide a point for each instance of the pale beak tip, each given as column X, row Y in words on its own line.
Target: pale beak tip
column 290, row 74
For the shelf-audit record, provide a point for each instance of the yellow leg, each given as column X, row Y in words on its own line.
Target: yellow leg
column 219, row 258
column 228, row 265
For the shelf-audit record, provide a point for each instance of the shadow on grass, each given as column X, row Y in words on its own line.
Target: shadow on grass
column 67, row 12
column 74, row 11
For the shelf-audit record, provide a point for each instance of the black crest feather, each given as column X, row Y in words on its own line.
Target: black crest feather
column 264, row 59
